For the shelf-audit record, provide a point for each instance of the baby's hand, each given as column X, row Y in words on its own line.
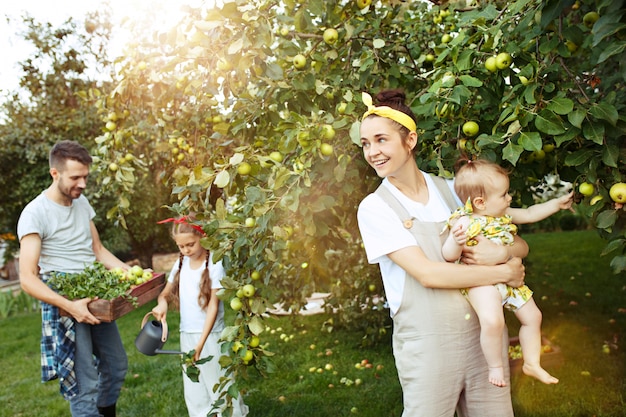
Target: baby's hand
column 565, row 201
column 458, row 233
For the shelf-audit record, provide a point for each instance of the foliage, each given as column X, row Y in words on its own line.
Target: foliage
column 235, row 107
column 95, row 281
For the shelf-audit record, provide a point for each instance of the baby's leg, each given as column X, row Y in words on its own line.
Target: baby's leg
column 529, row 316
column 487, row 302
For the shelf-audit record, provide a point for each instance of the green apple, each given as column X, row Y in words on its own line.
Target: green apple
column 446, row 38
column 304, row 265
column 110, row 125
column 136, row 270
column 328, row 132
column 248, row 356
column 618, row 192
column 362, row 4
column 523, row 80
column 330, row 36
column 113, row 167
column 372, row 287
column 503, row 60
column 299, row 61
column 470, row 128
column 248, row 290
column 250, row 222
column 147, row 275
column 490, row 64
column 276, row 156
column 236, row 304
column 244, row 168
column 255, row 275
column 571, row 46
column 586, row 189
column 539, row 155
column 548, row 147
column 326, row 149
column 341, row 108
column 429, row 58
column 254, row 341
column 237, row 346
column 590, row 18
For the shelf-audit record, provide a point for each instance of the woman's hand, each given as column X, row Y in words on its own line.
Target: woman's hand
column 517, row 272
column 485, row 252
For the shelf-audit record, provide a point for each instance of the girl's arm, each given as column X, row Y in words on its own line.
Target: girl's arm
column 434, row 274
column 541, row 211
column 209, row 321
column 160, row 310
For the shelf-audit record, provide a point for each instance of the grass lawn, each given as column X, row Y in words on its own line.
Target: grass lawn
column 584, row 308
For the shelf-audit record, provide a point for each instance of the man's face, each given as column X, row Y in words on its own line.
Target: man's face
column 71, row 180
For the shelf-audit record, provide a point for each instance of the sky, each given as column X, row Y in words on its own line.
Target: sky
column 56, row 12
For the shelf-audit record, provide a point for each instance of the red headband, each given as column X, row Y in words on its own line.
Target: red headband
column 182, row 220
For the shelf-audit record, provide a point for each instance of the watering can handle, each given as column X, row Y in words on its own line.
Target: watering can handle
column 163, row 325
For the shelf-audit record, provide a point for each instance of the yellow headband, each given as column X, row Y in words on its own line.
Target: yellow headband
column 386, row 111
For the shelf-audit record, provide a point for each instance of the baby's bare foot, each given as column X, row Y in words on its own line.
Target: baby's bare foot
column 496, row 376
column 537, row 372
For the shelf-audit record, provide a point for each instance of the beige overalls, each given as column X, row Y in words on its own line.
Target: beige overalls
column 436, row 335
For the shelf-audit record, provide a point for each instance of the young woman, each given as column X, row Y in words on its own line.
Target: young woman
column 484, row 186
column 436, row 332
column 192, row 286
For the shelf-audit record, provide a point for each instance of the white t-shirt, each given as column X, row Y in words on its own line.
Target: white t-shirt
column 192, row 317
column 383, row 232
column 65, row 232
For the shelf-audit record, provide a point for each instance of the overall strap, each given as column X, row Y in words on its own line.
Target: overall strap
column 441, row 184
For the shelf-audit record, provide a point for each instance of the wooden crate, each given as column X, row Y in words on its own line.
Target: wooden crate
column 551, row 356
column 109, row 310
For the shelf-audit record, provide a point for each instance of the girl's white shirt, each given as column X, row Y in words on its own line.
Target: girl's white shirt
column 383, row 232
column 192, row 317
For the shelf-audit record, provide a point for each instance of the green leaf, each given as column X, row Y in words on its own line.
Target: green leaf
column 470, row 81
column 606, row 219
column 578, row 158
column 594, row 131
column 614, row 48
column 530, row 141
column 256, row 325
column 561, row 105
column 548, row 122
column 576, row 117
column 512, row 152
column 605, row 111
column 610, row 155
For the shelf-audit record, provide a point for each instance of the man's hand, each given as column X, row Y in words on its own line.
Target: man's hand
column 81, row 313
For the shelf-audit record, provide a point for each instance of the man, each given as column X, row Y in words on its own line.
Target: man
column 57, row 234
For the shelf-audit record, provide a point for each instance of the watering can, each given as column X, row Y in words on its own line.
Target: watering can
column 152, row 337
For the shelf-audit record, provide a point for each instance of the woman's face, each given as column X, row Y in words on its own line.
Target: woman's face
column 383, row 147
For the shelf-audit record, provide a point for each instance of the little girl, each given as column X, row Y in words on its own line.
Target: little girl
column 192, row 286
column 485, row 187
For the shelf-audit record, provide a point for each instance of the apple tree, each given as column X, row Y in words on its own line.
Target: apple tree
column 249, row 113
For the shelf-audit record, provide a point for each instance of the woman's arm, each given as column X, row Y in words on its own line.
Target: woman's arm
column 435, row 274
column 487, row 252
column 209, row 321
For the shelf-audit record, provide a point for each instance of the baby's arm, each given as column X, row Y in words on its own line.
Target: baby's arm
column 453, row 246
column 541, row 211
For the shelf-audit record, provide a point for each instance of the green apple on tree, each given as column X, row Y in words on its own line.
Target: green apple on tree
column 362, row 4
column 330, row 36
column 250, row 222
column 503, row 60
column 490, row 64
column 328, row 132
column 326, row 149
column 236, row 304
column 470, row 128
column 248, row 290
column 244, row 168
column 299, row 61
column 446, row 38
column 586, row 189
column 590, row 18
column 618, row 192
column 276, row 156
column 113, row 167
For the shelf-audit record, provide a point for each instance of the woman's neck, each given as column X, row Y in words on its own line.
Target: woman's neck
column 411, row 183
